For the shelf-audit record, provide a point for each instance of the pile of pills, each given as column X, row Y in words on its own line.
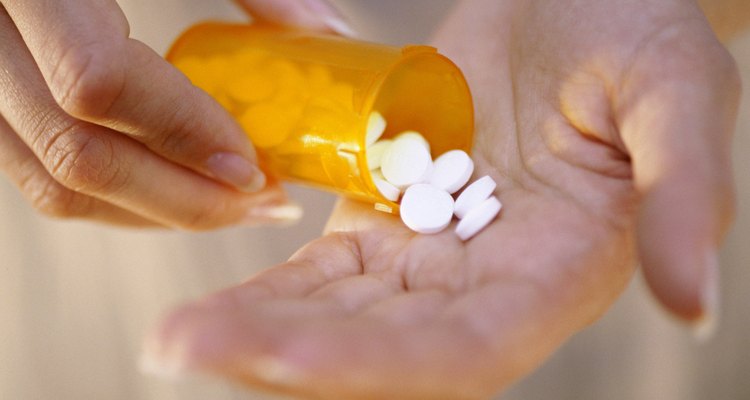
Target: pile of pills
column 287, row 107
column 403, row 170
column 270, row 96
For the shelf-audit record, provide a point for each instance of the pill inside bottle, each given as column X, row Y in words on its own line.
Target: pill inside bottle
column 306, row 99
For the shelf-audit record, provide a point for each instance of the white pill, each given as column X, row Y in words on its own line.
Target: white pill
column 452, row 170
column 388, row 191
column 375, row 128
column 473, row 195
column 478, row 217
column 375, row 153
column 426, row 208
column 406, row 162
column 414, row 135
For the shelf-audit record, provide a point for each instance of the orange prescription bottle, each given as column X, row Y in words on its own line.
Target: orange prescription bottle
column 304, row 98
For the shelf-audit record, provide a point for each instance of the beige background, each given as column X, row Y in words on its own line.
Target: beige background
column 76, row 298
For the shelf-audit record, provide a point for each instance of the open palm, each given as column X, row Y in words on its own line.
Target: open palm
column 594, row 120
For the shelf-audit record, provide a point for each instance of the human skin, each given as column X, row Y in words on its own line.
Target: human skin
column 96, row 125
column 607, row 125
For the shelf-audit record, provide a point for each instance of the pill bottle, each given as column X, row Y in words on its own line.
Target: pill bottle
column 304, row 98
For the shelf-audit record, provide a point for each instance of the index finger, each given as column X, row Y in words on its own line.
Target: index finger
column 98, row 74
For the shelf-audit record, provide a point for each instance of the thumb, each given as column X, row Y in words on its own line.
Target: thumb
column 676, row 118
column 311, row 14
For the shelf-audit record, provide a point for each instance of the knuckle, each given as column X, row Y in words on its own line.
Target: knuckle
column 684, row 51
column 85, row 162
column 88, row 80
column 41, row 126
column 727, row 203
column 54, row 200
column 711, row 63
column 729, row 71
column 181, row 136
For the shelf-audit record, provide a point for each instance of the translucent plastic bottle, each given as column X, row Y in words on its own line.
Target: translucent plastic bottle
column 304, row 98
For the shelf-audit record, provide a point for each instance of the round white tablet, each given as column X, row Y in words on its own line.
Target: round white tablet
column 375, row 153
column 426, row 209
column 406, row 162
column 452, row 170
column 478, row 217
column 375, row 128
column 474, row 194
column 376, row 173
column 414, row 135
column 385, row 188
column 388, row 191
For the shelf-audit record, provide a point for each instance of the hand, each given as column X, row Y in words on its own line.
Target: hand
column 607, row 125
column 96, row 125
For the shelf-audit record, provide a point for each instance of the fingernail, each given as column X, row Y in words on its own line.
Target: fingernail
column 171, row 369
column 281, row 214
column 705, row 328
column 340, row 26
column 237, row 171
column 273, row 370
column 330, row 17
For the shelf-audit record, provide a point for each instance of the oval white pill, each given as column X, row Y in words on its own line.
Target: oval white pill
column 426, row 209
column 478, row 217
column 474, row 194
column 406, row 162
column 375, row 153
column 414, row 135
column 375, row 128
column 452, row 170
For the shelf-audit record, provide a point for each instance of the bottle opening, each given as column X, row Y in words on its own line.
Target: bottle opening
column 424, row 92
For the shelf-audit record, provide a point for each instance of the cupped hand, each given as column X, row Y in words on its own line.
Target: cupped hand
column 607, row 126
column 94, row 124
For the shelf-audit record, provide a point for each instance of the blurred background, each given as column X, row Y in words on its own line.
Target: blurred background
column 76, row 299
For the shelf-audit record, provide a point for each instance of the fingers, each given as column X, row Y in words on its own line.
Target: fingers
column 677, row 116
column 468, row 347
column 310, row 14
column 318, row 327
column 99, row 162
column 327, row 357
column 96, row 73
column 50, row 197
column 317, row 264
